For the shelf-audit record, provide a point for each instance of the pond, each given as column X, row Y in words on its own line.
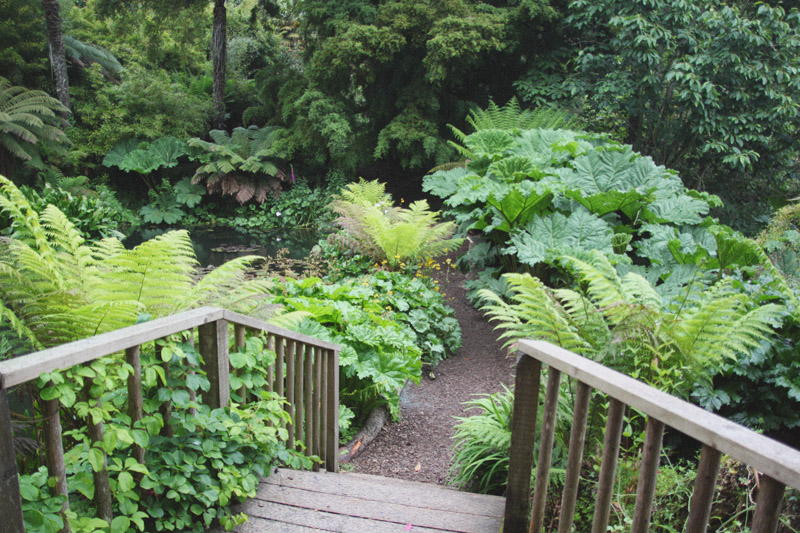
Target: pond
column 214, row 246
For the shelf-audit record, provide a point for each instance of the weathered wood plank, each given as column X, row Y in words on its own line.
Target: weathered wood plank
column 262, row 525
column 398, row 491
column 377, row 510
column 27, row 367
column 268, row 516
column 777, row 460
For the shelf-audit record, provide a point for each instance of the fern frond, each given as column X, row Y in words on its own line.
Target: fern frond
column 290, row 320
column 23, row 332
column 157, row 273
column 533, row 313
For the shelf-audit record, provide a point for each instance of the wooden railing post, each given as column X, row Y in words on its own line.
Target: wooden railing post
column 703, row 495
column 291, row 406
column 332, row 415
column 545, row 450
column 135, row 395
column 646, row 488
column 608, row 465
column 523, row 434
column 768, row 505
column 238, row 342
column 54, row 453
column 214, row 349
column 308, row 384
column 102, row 487
column 10, row 499
column 577, row 440
column 317, row 401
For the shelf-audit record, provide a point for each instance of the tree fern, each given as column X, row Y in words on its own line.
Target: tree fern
column 373, row 226
column 241, row 163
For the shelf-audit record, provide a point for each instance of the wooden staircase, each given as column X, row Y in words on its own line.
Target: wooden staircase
column 292, row 501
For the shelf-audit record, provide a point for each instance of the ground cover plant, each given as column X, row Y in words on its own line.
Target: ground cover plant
column 198, row 461
column 389, row 325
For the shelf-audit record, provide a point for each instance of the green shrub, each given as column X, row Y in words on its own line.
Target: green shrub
column 95, row 214
column 388, row 324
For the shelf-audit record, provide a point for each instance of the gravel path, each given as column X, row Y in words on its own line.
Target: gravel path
column 418, row 446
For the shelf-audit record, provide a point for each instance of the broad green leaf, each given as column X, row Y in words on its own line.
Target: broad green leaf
column 28, row 492
column 676, row 209
column 552, row 235
column 117, row 154
column 96, row 459
column 141, row 161
column 125, row 482
column 167, row 150
column 83, row 482
column 120, row 524
column 516, row 207
column 491, row 143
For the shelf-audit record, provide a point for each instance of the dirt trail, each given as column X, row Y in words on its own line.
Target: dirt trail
column 418, row 446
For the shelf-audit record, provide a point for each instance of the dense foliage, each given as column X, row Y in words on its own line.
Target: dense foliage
column 608, row 254
column 708, row 88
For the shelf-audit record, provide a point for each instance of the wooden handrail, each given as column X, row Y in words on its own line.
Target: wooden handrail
column 779, row 463
column 314, row 409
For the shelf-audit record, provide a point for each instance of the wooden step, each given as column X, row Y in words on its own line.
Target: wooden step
column 294, row 501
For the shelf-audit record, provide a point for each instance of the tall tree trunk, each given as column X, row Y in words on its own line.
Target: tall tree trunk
column 58, row 61
column 218, row 58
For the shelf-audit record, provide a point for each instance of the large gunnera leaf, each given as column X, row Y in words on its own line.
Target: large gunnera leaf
column 489, row 143
column 554, row 235
column 616, row 179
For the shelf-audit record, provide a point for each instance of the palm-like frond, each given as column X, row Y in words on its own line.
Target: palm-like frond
column 84, row 54
column 28, row 118
column 143, row 275
column 626, row 319
column 241, row 164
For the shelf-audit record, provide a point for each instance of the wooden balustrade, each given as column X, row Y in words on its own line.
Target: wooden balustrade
column 306, row 371
column 779, row 464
